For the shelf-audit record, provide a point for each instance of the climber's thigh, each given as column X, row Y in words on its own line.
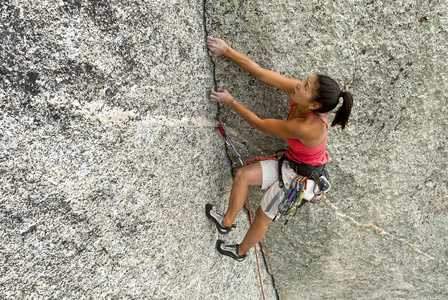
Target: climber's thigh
column 269, row 170
column 249, row 175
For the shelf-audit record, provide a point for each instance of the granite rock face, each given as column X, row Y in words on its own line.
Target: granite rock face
column 381, row 233
column 108, row 154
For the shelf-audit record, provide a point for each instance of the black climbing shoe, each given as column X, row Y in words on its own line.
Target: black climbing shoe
column 217, row 218
column 229, row 250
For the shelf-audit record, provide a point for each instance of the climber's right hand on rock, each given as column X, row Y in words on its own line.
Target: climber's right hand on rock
column 222, row 96
column 216, row 46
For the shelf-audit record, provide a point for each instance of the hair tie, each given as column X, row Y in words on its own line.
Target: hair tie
column 340, row 94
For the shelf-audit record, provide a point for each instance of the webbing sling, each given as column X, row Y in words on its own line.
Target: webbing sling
column 282, row 191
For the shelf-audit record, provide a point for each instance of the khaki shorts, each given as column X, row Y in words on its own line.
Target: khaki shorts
column 269, row 203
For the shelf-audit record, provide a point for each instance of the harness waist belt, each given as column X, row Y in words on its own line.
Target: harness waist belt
column 302, row 169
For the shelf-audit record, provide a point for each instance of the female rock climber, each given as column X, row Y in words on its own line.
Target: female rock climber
column 305, row 130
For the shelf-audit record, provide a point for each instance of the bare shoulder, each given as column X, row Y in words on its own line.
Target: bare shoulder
column 316, row 121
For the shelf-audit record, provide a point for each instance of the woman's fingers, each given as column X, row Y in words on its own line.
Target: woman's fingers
column 216, row 98
column 213, row 95
column 219, row 91
column 215, row 46
column 221, row 96
column 211, row 39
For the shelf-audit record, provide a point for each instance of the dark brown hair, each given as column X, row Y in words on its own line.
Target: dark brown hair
column 327, row 94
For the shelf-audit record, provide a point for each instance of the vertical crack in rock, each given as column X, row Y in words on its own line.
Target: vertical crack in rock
column 218, row 117
column 215, row 84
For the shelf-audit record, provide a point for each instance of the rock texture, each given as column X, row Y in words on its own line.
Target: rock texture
column 108, row 149
column 382, row 231
column 108, row 154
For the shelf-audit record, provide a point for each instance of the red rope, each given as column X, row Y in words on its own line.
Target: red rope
column 274, row 156
column 246, row 163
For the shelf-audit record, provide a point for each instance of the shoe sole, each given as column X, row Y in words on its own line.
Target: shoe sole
column 208, row 208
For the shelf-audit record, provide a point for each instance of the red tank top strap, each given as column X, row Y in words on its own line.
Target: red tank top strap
column 311, row 114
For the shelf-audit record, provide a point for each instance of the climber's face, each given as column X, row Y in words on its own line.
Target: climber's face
column 304, row 91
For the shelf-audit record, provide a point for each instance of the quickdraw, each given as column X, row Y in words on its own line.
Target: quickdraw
column 293, row 199
column 322, row 186
column 229, row 143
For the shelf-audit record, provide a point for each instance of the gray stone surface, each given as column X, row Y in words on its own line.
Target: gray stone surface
column 108, row 154
column 382, row 231
column 108, row 150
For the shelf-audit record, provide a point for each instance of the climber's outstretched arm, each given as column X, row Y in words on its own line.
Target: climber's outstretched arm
column 218, row 47
column 297, row 128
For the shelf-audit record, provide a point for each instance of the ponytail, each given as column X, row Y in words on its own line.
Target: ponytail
column 327, row 95
column 343, row 112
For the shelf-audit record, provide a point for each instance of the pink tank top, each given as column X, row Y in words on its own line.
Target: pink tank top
column 300, row 153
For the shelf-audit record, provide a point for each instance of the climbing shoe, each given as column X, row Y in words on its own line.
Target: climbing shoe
column 217, row 218
column 229, row 250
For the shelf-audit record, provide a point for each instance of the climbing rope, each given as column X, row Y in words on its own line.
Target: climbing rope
column 275, row 156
